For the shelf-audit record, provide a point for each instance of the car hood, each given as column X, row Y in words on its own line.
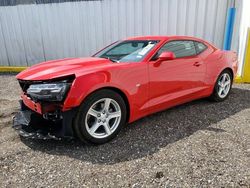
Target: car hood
column 63, row 67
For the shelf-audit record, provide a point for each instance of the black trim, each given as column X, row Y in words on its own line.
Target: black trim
column 25, row 2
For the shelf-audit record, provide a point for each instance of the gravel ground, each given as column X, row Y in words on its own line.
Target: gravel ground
column 200, row 144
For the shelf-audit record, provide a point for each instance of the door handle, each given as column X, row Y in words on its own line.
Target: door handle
column 197, row 64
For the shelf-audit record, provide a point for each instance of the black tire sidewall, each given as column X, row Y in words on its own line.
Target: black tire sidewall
column 79, row 124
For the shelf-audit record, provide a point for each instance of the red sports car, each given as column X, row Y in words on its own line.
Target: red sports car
column 93, row 98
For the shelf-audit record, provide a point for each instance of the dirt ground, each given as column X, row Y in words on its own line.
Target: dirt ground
column 200, row 144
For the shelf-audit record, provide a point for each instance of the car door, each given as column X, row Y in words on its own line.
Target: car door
column 175, row 81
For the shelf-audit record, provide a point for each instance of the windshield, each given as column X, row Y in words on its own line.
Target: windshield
column 127, row 51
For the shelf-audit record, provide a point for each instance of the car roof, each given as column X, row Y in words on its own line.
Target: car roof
column 164, row 38
column 174, row 37
column 148, row 38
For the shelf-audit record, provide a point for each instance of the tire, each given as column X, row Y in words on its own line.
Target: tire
column 100, row 117
column 219, row 95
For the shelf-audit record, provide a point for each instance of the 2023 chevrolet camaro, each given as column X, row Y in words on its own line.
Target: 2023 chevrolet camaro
column 93, row 98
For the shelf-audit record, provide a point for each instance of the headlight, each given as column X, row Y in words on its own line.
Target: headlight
column 49, row 91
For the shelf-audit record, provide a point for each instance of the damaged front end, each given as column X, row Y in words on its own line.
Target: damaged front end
column 41, row 115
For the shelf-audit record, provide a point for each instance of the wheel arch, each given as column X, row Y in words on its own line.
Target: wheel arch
column 230, row 70
column 214, row 96
column 120, row 92
column 227, row 68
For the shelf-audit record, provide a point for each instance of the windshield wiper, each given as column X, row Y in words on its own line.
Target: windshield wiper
column 114, row 61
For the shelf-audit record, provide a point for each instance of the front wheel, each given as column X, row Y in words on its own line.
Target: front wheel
column 100, row 117
column 222, row 86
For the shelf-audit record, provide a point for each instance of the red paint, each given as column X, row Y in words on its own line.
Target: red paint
column 163, row 84
column 165, row 56
column 31, row 104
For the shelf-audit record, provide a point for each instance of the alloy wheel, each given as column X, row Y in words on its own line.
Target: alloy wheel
column 224, row 85
column 103, row 118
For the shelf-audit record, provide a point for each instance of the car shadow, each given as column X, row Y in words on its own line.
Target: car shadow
column 148, row 135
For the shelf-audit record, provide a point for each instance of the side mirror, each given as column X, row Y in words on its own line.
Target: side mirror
column 166, row 56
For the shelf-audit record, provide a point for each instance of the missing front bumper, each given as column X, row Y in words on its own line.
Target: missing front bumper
column 30, row 124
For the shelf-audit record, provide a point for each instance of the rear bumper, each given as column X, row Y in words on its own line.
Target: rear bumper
column 30, row 124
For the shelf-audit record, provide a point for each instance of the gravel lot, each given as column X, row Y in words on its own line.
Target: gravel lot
column 200, row 144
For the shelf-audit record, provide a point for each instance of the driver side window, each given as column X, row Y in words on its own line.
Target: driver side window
column 179, row 48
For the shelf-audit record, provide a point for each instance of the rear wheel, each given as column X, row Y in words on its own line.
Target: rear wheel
column 222, row 86
column 101, row 117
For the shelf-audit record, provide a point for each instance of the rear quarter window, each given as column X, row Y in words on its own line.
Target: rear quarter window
column 200, row 47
